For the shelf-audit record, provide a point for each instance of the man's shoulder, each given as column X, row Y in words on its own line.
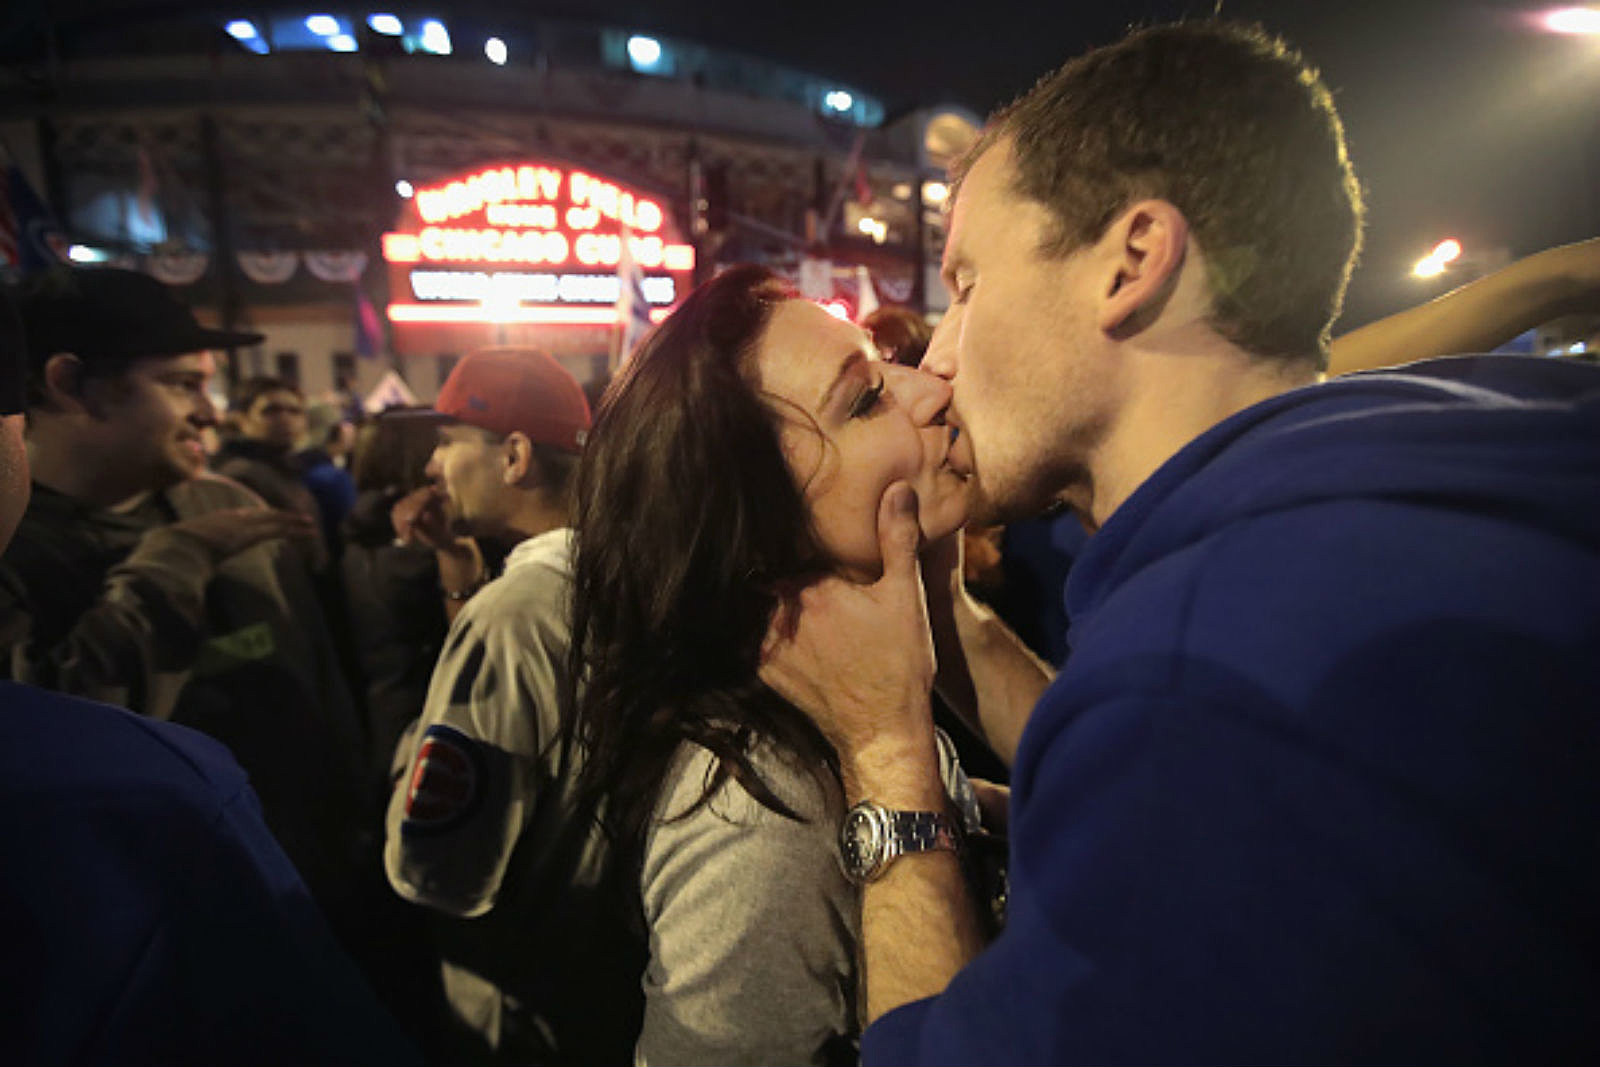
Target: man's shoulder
column 534, row 586
column 62, row 541
column 65, row 746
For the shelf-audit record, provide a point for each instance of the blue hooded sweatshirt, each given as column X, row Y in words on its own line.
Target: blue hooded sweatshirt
column 147, row 916
column 1320, row 781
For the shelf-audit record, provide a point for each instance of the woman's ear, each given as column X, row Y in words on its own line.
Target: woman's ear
column 1146, row 246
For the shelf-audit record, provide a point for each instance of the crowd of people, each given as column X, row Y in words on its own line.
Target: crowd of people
column 679, row 730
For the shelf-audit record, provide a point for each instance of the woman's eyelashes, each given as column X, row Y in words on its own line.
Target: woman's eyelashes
column 867, row 400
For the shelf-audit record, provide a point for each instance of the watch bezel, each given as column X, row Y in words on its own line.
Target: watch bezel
column 863, row 864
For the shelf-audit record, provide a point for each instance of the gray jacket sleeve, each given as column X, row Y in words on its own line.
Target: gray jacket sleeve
column 135, row 644
column 481, row 760
column 753, row 926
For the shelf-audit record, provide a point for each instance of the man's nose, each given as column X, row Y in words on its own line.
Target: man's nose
column 940, row 357
column 205, row 412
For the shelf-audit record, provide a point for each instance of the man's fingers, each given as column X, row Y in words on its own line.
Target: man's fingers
column 266, row 525
column 898, row 532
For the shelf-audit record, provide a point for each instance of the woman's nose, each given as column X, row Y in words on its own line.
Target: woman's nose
column 925, row 396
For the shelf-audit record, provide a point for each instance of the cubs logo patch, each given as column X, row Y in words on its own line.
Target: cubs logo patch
column 447, row 781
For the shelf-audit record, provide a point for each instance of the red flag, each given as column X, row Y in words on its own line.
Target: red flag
column 864, row 193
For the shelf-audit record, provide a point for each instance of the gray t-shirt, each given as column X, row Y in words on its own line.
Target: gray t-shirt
column 753, row 926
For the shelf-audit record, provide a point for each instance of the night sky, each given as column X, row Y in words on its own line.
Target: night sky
column 1463, row 120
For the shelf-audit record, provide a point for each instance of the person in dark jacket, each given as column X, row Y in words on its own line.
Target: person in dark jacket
column 323, row 466
column 392, row 588
column 270, row 418
column 139, row 579
column 147, row 915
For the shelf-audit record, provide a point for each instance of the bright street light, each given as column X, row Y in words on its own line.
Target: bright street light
column 1436, row 262
column 495, row 49
column 644, row 51
column 435, row 38
column 1573, row 20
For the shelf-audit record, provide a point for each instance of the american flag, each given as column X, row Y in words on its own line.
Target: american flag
column 10, row 239
column 30, row 240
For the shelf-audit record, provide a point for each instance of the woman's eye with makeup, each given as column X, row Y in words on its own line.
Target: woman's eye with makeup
column 868, row 400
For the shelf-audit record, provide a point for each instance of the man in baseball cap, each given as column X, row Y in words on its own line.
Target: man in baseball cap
column 483, row 775
column 512, row 421
column 161, row 826
column 137, row 579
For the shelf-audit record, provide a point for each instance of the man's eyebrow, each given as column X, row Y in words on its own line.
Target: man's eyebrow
column 850, row 361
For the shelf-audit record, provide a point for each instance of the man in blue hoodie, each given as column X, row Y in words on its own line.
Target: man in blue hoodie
column 1317, row 782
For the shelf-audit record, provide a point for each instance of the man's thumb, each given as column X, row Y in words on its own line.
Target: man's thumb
column 898, row 532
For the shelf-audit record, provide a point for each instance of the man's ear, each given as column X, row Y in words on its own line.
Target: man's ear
column 65, row 386
column 1145, row 245
column 520, row 466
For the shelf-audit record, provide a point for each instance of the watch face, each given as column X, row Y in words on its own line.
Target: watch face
column 860, row 843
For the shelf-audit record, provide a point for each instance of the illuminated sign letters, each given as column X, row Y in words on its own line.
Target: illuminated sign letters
column 520, row 243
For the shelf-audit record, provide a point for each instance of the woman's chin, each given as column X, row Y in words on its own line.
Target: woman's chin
column 940, row 522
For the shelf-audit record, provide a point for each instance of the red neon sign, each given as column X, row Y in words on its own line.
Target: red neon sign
column 522, row 243
column 535, row 185
column 536, row 215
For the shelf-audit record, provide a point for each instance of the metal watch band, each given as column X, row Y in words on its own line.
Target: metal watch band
column 919, row 831
column 872, row 836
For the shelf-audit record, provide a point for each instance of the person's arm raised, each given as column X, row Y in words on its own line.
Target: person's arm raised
column 859, row 660
column 1479, row 315
column 419, row 518
column 985, row 672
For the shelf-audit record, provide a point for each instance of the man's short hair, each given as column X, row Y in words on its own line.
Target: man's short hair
column 557, row 467
column 1232, row 127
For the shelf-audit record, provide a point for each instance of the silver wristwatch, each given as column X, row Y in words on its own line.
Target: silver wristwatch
column 871, row 836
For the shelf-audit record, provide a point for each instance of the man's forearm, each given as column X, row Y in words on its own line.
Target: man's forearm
column 918, row 928
column 148, row 622
column 919, row 925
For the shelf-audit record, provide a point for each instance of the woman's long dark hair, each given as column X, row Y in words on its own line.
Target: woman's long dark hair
column 690, row 529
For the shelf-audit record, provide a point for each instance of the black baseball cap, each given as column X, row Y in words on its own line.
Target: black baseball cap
column 105, row 314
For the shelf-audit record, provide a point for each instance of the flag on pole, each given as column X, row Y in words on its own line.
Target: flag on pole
column 864, row 193
column 866, row 295
column 633, row 310
column 30, row 238
column 851, row 175
column 390, row 392
column 369, row 327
